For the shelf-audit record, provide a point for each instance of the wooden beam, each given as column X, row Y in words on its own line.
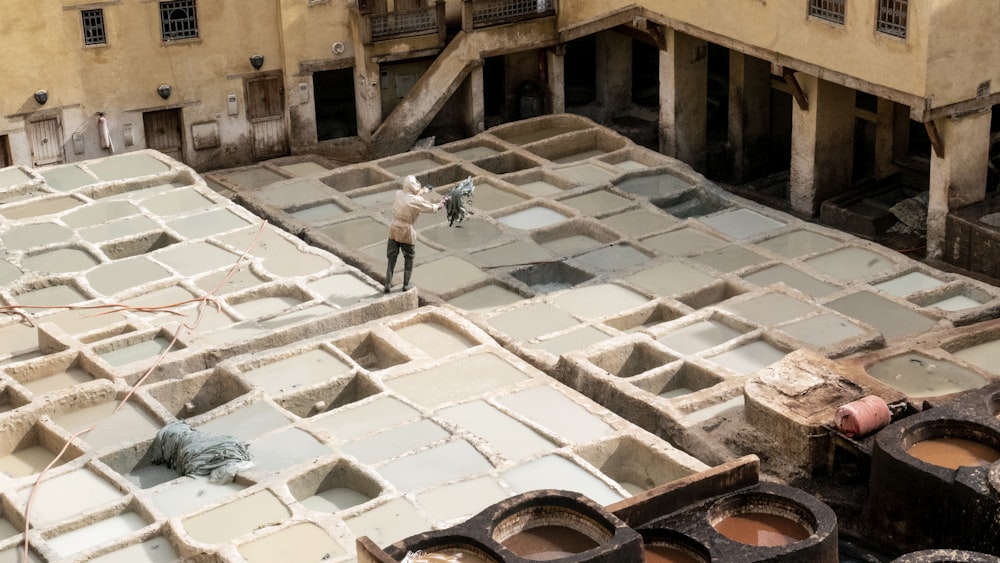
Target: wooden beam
column 936, row 141
column 797, row 93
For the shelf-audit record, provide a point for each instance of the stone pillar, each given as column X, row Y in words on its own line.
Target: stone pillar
column 958, row 178
column 367, row 98
column 885, row 131
column 473, row 102
column 614, row 71
column 555, row 62
column 749, row 115
column 683, row 93
column 822, row 143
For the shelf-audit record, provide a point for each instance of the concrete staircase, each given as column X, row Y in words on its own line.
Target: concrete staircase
column 413, row 114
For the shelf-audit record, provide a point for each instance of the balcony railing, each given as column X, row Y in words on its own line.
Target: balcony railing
column 485, row 13
column 403, row 23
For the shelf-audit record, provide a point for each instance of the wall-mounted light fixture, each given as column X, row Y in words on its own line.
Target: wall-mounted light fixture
column 257, row 61
column 163, row 90
column 42, row 96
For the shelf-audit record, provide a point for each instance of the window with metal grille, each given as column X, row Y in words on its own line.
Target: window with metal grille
column 93, row 27
column 892, row 17
column 178, row 20
column 830, row 10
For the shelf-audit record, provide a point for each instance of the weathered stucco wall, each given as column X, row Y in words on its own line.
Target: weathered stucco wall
column 963, row 50
column 854, row 49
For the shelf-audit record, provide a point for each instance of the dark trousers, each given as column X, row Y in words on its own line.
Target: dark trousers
column 392, row 249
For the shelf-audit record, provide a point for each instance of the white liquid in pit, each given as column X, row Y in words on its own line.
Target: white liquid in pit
column 985, row 356
column 265, row 306
column 118, row 229
column 318, row 214
column 38, row 208
column 850, row 263
column 447, row 274
column 488, row 198
column 127, row 166
column 576, row 339
column 129, row 424
column 518, row 253
column 629, row 165
column 540, row 188
column 279, row 255
column 35, row 235
column 504, row 434
column 389, row 522
column 285, row 449
column 654, row 186
column 13, row 176
column 955, row 303
column 302, row 370
column 395, row 441
column 701, row 415
column 730, row 258
column 72, row 376
column 246, row 423
column 415, row 166
column 207, row 224
column 596, row 203
column 749, row 358
column 66, row 178
column 179, row 201
column 193, row 258
column 356, row 420
column 342, row 290
column 300, row 542
column 236, row 518
column 8, row 272
column 798, row 243
column 908, row 283
column 917, row 376
column 60, row 497
column 742, row 223
column 100, row 212
column 532, row 218
column 823, row 330
column 289, row 194
column 583, row 155
column 473, row 153
column 555, row 472
column 306, row 168
column 771, row 308
column 154, row 550
column 358, row 233
column 532, row 321
column 435, row 466
column 434, row 339
column 485, row 298
column 683, row 242
column 54, row 295
column 571, row 245
column 698, row 337
column 125, row 274
column 145, row 350
column 28, row 461
column 557, row 413
column 186, row 495
column 451, row 382
column 586, row 173
column 335, row 499
column 612, row 258
column 796, row 279
column 464, row 498
column 639, row 222
column 671, row 278
column 891, row 319
column 95, row 534
column 473, row 232
column 601, row 300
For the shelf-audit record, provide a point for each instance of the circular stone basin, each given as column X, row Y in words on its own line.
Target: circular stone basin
column 917, row 375
column 669, row 546
column 762, row 519
column 543, row 543
column 665, row 553
column 952, row 453
column 464, row 554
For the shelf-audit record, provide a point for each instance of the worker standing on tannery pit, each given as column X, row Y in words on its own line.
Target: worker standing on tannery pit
column 406, row 208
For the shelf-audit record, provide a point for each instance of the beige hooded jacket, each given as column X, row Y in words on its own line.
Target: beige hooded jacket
column 407, row 206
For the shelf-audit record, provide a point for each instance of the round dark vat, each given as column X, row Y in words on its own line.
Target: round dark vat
column 772, row 522
column 669, row 546
column 929, row 472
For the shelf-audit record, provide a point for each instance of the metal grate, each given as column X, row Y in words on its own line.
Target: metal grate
column 892, row 17
column 93, row 27
column 486, row 12
column 410, row 22
column 178, row 20
column 830, row 10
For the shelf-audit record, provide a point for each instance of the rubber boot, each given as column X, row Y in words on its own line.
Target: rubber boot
column 407, row 272
column 388, row 277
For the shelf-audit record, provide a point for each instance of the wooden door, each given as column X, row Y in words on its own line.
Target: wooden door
column 5, row 159
column 164, row 133
column 266, row 114
column 45, row 137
